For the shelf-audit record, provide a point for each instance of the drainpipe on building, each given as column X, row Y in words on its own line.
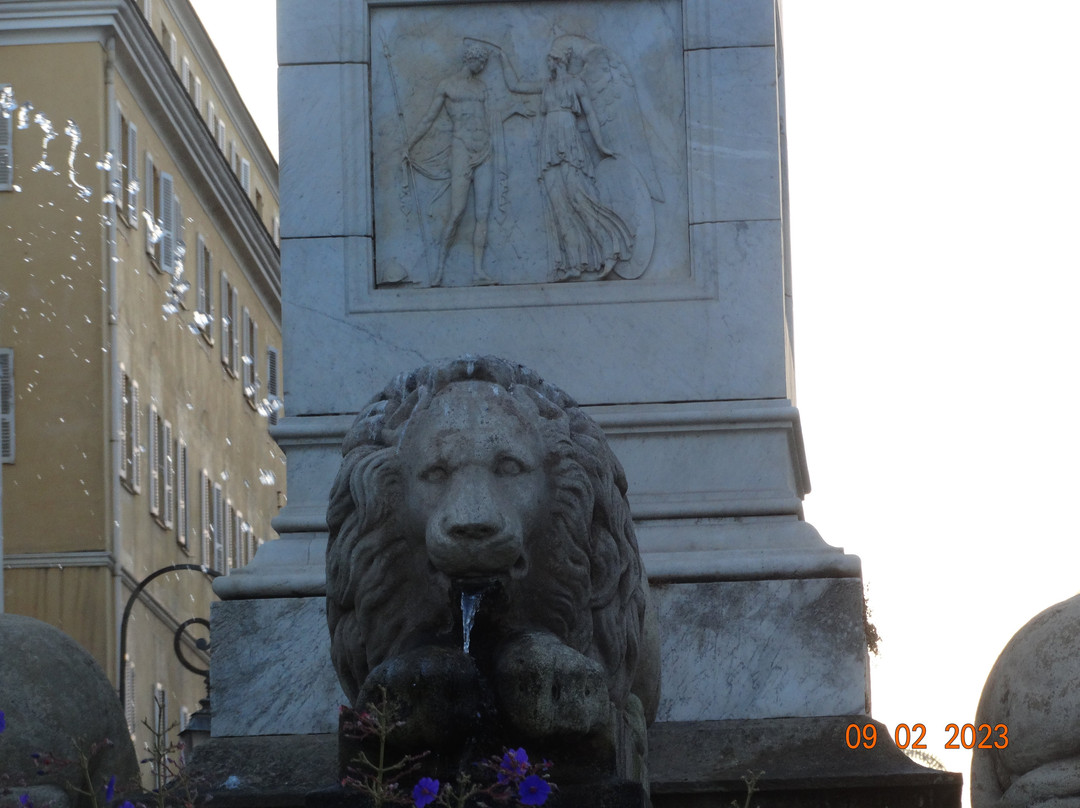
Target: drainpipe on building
column 112, row 385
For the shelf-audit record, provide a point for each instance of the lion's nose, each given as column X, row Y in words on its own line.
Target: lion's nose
column 473, row 531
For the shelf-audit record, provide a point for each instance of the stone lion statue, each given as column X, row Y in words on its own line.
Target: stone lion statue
column 1031, row 701
column 476, row 478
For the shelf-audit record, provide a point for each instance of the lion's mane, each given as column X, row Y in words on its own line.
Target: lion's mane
column 383, row 594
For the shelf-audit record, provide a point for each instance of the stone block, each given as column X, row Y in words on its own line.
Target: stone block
column 734, row 134
column 271, row 671
column 762, row 649
column 317, row 33
column 731, row 24
column 325, row 154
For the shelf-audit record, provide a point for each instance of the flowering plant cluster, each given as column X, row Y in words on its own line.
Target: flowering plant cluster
column 510, row 779
column 515, row 779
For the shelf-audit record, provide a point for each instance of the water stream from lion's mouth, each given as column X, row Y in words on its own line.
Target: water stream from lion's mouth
column 470, row 604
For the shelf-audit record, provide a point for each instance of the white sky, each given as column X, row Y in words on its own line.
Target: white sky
column 934, row 171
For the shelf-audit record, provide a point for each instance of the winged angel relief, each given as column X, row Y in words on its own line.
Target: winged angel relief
column 594, row 168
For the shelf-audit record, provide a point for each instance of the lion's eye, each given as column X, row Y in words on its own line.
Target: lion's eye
column 509, row 467
column 434, row 474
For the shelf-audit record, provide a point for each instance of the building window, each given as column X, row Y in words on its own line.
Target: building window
column 221, row 135
column 250, row 349
column 153, row 437
column 218, row 521
column 198, row 93
column 211, row 117
column 248, row 542
column 166, row 220
column 245, row 175
column 7, row 405
column 173, row 52
column 232, row 559
column 204, row 294
column 206, row 520
column 238, row 537
column 161, row 730
column 273, row 384
column 259, row 202
column 150, row 181
column 230, row 328
column 130, row 455
column 7, row 156
column 182, row 526
column 186, row 77
column 129, row 692
column 148, row 10
column 276, row 231
column 166, row 474
column 234, row 157
column 128, row 198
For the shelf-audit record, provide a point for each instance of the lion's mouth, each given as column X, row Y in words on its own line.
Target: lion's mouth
column 495, row 557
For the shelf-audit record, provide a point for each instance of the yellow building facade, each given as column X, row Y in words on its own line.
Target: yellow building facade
column 140, row 333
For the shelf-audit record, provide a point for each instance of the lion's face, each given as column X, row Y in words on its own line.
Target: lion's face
column 473, row 479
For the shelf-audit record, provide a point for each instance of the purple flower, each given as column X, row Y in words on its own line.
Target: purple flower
column 533, row 790
column 3, row 723
column 514, row 766
column 425, row 792
column 127, row 804
column 110, row 788
column 25, row 800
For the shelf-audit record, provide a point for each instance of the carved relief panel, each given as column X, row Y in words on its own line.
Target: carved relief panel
column 531, row 143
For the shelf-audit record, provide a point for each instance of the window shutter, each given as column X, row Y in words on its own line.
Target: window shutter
column 225, row 340
column 234, row 331
column 168, row 474
column 219, row 533
column 130, row 195
column 208, row 275
column 136, row 439
column 179, row 245
column 148, row 10
column 129, row 692
column 198, row 93
column 124, row 440
column 230, row 519
column 247, row 334
column 245, row 175
column 206, row 495
column 200, row 271
column 7, row 405
column 185, row 74
column 181, row 493
column 167, row 244
column 273, row 389
column 221, row 135
column 148, row 204
column 7, row 155
column 153, row 462
column 238, row 540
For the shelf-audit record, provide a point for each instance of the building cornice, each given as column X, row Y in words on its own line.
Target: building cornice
column 207, row 55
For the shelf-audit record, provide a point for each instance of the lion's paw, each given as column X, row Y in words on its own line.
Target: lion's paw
column 547, row 688
column 435, row 692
